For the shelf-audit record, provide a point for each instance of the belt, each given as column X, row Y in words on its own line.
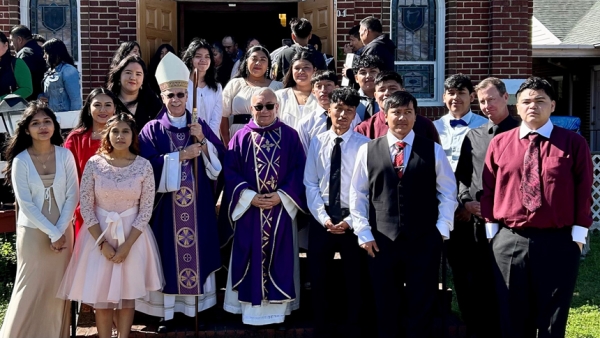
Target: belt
column 242, row 118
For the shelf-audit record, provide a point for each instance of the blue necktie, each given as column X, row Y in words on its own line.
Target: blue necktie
column 458, row 122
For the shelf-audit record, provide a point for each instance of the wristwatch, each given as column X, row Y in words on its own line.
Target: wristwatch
column 203, row 142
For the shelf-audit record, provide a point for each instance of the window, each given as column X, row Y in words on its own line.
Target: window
column 418, row 32
column 56, row 19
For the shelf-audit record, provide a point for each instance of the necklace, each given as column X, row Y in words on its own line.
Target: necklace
column 47, row 158
column 111, row 159
column 302, row 98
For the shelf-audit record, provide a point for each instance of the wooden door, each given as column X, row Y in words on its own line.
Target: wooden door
column 320, row 14
column 156, row 24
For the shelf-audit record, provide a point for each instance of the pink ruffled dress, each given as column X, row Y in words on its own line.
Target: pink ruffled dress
column 118, row 199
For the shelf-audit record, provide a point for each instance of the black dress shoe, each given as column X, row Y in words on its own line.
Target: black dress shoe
column 165, row 326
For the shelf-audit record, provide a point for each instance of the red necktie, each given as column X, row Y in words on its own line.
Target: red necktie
column 399, row 159
column 530, row 181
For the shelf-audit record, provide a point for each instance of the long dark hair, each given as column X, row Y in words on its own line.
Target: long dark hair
column 21, row 140
column 243, row 70
column 156, row 57
column 114, row 78
column 124, row 49
column 57, row 53
column 106, row 147
column 85, row 116
column 288, row 79
column 188, row 58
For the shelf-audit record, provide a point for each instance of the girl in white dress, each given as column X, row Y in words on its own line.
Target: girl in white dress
column 296, row 99
column 209, row 100
column 253, row 75
column 116, row 257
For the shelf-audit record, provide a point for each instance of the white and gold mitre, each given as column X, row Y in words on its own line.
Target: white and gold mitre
column 172, row 73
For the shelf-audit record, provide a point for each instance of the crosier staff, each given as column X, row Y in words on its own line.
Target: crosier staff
column 195, row 139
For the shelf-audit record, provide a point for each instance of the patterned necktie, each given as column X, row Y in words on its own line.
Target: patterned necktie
column 335, row 182
column 399, row 159
column 530, row 181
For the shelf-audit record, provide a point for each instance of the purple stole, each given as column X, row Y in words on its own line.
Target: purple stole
column 184, row 220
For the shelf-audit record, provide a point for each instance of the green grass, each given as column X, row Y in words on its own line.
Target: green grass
column 584, row 317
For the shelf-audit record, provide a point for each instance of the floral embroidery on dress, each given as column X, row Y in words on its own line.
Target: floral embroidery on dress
column 117, row 189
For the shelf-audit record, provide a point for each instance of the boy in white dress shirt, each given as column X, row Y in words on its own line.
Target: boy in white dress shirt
column 327, row 176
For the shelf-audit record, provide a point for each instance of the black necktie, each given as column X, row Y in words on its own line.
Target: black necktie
column 335, row 182
column 328, row 120
column 369, row 110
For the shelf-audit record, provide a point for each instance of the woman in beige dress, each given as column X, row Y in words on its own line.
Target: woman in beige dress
column 253, row 75
column 43, row 176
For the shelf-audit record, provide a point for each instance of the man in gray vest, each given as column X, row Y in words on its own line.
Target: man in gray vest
column 402, row 202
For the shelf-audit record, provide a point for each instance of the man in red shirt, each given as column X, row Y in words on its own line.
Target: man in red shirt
column 386, row 84
column 537, row 196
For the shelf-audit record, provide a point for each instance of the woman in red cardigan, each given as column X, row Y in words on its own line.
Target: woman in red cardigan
column 84, row 140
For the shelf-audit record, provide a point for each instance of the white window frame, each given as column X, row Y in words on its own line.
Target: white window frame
column 439, row 64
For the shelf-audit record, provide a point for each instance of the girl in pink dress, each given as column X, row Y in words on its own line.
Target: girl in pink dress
column 116, row 257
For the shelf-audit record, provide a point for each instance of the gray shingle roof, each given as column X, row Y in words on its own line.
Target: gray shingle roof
column 562, row 16
column 587, row 30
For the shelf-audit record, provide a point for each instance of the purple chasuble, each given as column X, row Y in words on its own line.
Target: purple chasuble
column 264, row 160
column 184, row 222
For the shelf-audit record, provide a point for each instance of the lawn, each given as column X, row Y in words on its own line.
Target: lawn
column 584, row 318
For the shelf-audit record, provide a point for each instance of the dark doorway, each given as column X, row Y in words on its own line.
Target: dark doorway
column 213, row 21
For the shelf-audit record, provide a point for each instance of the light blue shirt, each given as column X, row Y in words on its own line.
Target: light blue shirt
column 452, row 138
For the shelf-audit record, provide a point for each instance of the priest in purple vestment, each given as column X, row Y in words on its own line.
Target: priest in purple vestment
column 264, row 168
column 186, row 157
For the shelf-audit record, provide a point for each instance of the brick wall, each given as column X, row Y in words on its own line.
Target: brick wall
column 9, row 15
column 104, row 25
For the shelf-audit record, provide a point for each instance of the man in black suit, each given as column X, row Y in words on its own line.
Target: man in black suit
column 469, row 252
column 402, row 202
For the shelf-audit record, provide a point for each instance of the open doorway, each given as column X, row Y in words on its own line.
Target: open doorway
column 212, row 21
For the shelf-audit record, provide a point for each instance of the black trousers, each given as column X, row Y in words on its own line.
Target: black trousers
column 322, row 247
column 470, row 257
column 405, row 311
column 535, row 272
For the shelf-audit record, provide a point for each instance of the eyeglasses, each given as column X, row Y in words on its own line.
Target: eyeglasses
column 269, row 106
column 179, row 95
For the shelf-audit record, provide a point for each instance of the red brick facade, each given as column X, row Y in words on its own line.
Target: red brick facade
column 104, row 25
column 9, row 15
column 483, row 37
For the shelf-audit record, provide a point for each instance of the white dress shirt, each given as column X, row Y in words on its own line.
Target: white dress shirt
column 210, row 105
column 318, row 169
column 578, row 232
column 452, row 138
column 314, row 124
column 359, row 189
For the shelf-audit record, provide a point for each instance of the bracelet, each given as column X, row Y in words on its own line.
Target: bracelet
column 203, row 142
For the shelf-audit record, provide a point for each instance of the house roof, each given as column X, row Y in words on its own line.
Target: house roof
column 566, row 28
column 561, row 16
column 587, row 30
